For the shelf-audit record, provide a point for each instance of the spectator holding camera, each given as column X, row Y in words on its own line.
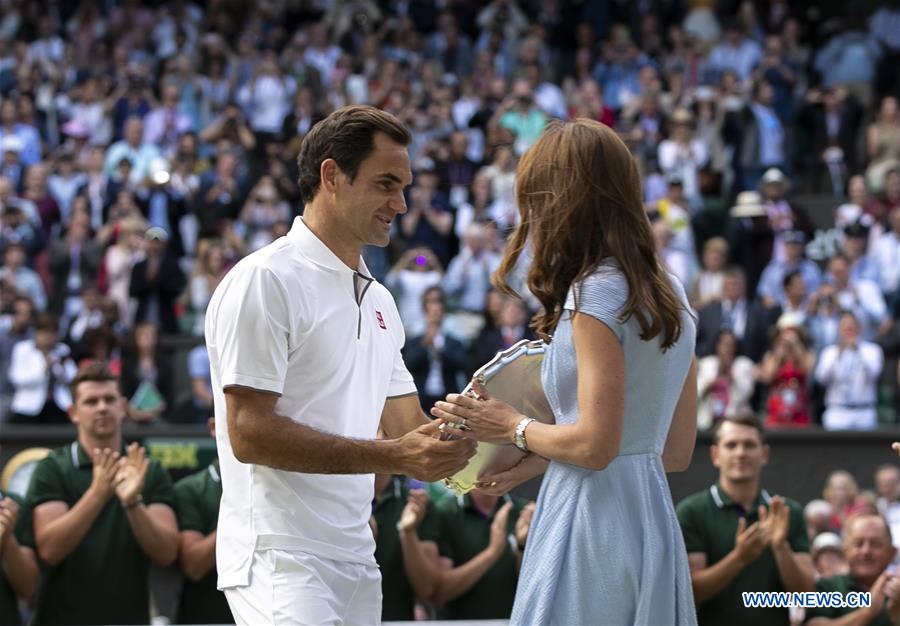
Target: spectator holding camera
column 415, row 272
column 519, row 114
column 469, row 274
column 786, row 369
column 436, row 359
column 725, row 382
column 132, row 147
column 40, row 370
column 849, row 370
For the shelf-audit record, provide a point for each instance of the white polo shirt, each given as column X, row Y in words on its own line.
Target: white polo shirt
column 293, row 320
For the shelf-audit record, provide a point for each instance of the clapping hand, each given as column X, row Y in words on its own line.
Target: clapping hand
column 777, row 520
column 499, row 533
column 9, row 515
column 129, row 479
column 523, row 524
column 414, row 511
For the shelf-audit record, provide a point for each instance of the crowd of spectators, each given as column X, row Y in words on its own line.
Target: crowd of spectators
column 145, row 148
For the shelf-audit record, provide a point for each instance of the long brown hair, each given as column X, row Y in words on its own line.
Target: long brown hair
column 579, row 196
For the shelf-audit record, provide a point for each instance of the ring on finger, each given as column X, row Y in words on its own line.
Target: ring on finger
column 464, row 424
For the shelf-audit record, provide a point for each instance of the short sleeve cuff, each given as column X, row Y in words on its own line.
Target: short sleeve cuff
column 268, row 385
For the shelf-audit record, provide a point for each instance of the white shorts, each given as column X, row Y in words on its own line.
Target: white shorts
column 299, row 588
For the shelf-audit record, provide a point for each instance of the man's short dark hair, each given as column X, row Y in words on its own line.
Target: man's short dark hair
column 348, row 137
column 786, row 281
column 96, row 372
column 47, row 322
column 742, row 419
column 735, row 271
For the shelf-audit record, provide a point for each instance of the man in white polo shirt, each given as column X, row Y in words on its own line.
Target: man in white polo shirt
column 305, row 362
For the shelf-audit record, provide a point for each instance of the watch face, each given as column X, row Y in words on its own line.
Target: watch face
column 514, row 376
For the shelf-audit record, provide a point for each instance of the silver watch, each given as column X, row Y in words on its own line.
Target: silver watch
column 519, row 439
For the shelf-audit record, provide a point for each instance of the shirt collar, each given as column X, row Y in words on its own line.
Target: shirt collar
column 214, row 471
column 466, row 504
column 723, row 500
column 80, row 458
column 316, row 251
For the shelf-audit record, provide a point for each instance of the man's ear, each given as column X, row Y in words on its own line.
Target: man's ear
column 328, row 174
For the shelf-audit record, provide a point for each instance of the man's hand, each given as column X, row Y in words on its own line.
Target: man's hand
column 892, row 597
column 9, row 515
column 427, row 458
column 523, row 524
column 106, row 465
column 878, row 596
column 749, row 542
column 776, row 520
column 499, row 534
column 129, row 479
column 415, row 509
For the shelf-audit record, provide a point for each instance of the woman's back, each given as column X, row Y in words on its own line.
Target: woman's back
column 654, row 379
column 621, row 516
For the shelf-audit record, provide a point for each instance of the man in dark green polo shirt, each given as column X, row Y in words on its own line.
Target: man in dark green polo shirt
column 393, row 492
column 18, row 564
column 738, row 537
column 197, row 500
column 481, row 539
column 868, row 548
column 100, row 515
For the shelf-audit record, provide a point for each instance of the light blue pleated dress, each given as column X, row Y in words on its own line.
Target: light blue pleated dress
column 605, row 546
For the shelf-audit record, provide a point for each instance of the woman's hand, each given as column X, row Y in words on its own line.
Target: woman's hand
column 502, row 482
column 486, row 419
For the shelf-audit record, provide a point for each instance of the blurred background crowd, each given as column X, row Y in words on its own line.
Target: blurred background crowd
column 146, row 147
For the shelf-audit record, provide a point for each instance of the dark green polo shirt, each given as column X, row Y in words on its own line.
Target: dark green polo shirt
column 104, row 579
column 9, row 600
column 709, row 522
column 463, row 533
column 398, row 598
column 197, row 500
column 844, row 584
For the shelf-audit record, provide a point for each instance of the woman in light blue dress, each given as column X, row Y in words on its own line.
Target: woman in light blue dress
column 604, row 546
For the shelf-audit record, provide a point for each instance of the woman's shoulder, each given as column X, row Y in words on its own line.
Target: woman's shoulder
column 606, row 281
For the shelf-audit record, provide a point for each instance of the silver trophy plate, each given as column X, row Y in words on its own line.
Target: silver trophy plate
column 513, row 376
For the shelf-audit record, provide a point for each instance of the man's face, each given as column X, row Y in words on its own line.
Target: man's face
column 831, row 563
column 8, row 112
column 22, row 313
column 14, row 257
column 854, row 247
column 887, row 481
column 367, row 205
column 867, row 545
column 848, row 329
column 44, row 340
column 733, row 288
column 794, row 251
column 772, row 191
column 98, row 409
column 134, row 129
column 434, row 312
column 796, row 289
column 839, row 271
column 894, row 218
column 740, row 454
